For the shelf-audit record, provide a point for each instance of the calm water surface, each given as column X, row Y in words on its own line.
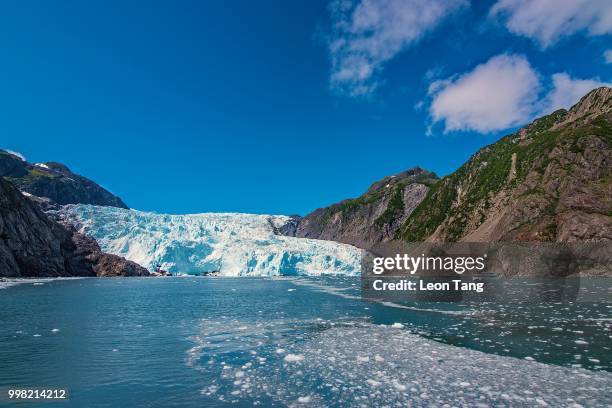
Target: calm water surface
column 299, row 341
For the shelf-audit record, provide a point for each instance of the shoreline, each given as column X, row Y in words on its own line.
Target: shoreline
column 6, row 283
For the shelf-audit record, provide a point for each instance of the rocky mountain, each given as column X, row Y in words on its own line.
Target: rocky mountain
column 551, row 181
column 373, row 217
column 54, row 181
column 32, row 244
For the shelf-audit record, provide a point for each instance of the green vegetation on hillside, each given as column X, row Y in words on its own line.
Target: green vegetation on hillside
column 458, row 198
column 394, row 209
column 396, row 204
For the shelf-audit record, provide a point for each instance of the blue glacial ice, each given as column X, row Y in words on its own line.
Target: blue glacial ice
column 233, row 244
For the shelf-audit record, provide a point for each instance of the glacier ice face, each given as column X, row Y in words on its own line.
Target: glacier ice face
column 234, row 244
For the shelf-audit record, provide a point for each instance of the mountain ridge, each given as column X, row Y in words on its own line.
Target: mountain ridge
column 54, row 181
column 33, row 244
column 549, row 181
column 372, row 217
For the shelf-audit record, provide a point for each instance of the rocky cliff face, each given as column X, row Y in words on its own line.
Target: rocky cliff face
column 550, row 181
column 54, row 181
column 32, row 244
column 373, row 217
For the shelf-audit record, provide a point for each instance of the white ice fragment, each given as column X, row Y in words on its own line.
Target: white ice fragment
column 373, row 383
column 398, row 386
column 292, row 358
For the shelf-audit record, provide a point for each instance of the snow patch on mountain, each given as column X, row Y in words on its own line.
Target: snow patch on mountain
column 233, row 244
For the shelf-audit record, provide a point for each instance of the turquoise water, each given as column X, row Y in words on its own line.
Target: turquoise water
column 301, row 341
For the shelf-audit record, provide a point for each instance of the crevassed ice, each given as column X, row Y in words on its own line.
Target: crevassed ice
column 234, row 244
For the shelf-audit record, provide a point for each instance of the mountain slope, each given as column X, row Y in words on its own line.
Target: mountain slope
column 373, row 217
column 550, row 181
column 55, row 181
column 32, row 244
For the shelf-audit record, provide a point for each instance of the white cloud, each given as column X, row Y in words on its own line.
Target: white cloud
column 497, row 94
column 504, row 92
column 566, row 91
column 368, row 33
column 608, row 56
column 546, row 21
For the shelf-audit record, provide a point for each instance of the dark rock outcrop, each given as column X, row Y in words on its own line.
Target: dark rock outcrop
column 54, row 181
column 88, row 252
column 288, row 229
column 34, row 245
column 373, row 217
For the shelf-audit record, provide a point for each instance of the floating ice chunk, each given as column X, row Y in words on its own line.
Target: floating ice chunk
column 291, row 358
column 373, row 383
column 594, row 360
column 420, row 380
column 397, row 326
column 55, row 330
column 398, row 386
column 304, row 400
column 581, row 342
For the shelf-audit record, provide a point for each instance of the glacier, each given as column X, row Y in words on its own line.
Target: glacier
column 232, row 244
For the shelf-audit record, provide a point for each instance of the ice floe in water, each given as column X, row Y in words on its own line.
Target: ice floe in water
column 358, row 364
column 232, row 244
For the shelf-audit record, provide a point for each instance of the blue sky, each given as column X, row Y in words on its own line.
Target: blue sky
column 283, row 107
